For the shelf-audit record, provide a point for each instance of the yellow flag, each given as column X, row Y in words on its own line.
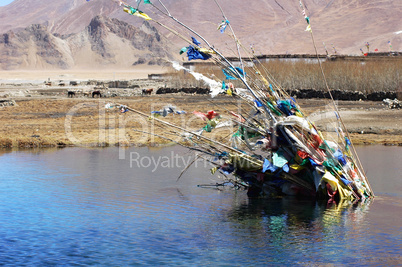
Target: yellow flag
column 127, row 10
column 206, row 51
column 296, row 167
column 214, row 169
column 298, row 114
column 308, row 29
column 137, row 13
column 142, row 15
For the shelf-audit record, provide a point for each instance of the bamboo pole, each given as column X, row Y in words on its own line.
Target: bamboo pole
column 220, row 55
column 339, row 115
column 247, row 157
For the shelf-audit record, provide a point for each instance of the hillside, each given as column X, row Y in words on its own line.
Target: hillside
column 270, row 26
column 105, row 42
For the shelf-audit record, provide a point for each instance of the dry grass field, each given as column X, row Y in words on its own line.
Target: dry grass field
column 56, row 120
column 62, row 121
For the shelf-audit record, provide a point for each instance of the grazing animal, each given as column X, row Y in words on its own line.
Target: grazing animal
column 147, row 91
column 70, row 94
column 87, row 94
column 96, row 93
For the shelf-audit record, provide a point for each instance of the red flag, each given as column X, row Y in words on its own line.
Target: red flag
column 211, row 114
column 240, row 118
column 200, row 115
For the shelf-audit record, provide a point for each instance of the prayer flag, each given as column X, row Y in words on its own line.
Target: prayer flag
column 195, row 41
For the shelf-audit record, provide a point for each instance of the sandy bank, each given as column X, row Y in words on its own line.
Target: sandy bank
column 136, row 72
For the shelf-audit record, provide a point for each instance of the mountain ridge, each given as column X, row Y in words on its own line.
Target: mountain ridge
column 269, row 26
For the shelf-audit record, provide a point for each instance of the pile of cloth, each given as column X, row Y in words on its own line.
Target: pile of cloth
column 166, row 110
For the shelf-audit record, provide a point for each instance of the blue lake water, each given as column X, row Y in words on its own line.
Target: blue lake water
column 125, row 207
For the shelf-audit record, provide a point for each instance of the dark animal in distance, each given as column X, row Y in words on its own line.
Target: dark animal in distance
column 147, row 91
column 96, row 93
column 70, row 93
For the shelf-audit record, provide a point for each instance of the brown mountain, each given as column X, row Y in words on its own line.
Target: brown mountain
column 278, row 26
column 105, row 42
column 271, row 26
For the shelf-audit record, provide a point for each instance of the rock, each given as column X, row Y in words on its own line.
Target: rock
column 341, row 95
column 393, row 104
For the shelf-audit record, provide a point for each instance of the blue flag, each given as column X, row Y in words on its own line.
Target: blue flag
column 268, row 166
column 195, row 41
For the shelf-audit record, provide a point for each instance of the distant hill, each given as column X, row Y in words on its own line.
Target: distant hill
column 270, row 26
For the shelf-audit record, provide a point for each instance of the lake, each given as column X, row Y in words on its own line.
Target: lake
column 125, row 207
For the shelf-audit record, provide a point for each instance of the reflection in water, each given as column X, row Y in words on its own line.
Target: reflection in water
column 309, row 232
column 77, row 206
column 277, row 215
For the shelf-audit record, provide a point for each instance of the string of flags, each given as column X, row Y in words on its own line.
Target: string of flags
column 252, row 49
column 368, row 46
column 233, row 73
column 223, row 25
column 333, row 47
column 390, row 45
column 308, row 28
column 196, row 52
column 134, row 11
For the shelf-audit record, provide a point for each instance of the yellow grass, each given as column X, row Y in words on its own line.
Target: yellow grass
column 349, row 75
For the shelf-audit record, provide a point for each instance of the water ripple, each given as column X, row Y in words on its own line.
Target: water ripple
column 87, row 207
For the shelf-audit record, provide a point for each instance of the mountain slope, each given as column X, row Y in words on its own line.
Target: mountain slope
column 105, row 42
column 270, row 26
column 277, row 26
column 22, row 13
